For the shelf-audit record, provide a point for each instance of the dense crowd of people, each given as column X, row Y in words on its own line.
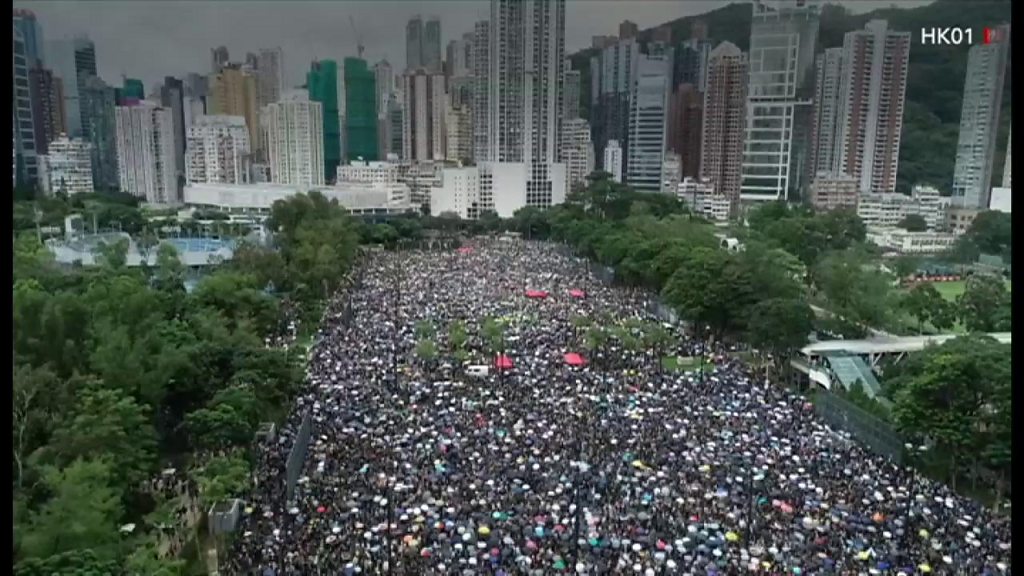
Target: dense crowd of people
column 613, row 467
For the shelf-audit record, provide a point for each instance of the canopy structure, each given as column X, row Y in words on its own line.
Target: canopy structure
column 574, row 359
column 536, row 294
column 464, row 250
column 503, row 362
column 577, row 293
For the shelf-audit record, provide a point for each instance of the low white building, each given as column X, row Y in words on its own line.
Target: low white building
column 671, row 173
column 613, row 160
column 497, row 186
column 259, row 198
column 999, row 200
column 699, row 196
column 66, row 167
column 900, row 241
column 886, row 210
column 369, row 172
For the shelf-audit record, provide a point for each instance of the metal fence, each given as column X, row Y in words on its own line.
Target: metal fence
column 297, row 456
column 223, row 517
column 867, row 428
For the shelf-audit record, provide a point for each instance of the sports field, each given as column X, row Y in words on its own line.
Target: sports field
column 951, row 290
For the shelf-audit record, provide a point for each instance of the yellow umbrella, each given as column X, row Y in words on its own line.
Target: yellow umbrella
column 925, row 568
column 640, row 464
column 863, row 555
column 484, row 530
column 923, row 533
column 704, row 468
column 732, row 536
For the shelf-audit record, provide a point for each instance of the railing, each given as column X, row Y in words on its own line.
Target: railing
column 867, row 428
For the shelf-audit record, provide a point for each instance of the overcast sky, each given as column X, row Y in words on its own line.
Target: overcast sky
column 156, row 38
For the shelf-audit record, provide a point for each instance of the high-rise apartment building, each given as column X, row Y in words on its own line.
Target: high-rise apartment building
column 425, row 106
column 690, row 65
column 571, row 94
column 613, row 160
column 26, row 160
column 527, row 64
column 459, row 133
column 73, row 61
column 685, row 117
column 131, row 90
column 233, row 92
column 145, row 152
column 31, row 34
column 360, row 111
column 395, row 127
column 612, row 73
column 384, row 84
column 295, row 140
column 218, row 151
column 97, row 102
column 648, row 119
column 322, row 83
column 423, row 44
column 783, row 35
column 874, row 83
column 66, row 167
column 979, row 121
column 725, row 109
column 414, row 43
column 481, row 89
column 457, row 57
column 269, row 76
column 825, row 126
column 432, row 45
column 577, row 152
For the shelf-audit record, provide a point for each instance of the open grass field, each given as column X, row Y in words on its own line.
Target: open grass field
column 951, row 290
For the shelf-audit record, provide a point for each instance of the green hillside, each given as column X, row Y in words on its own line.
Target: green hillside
column 934, row 90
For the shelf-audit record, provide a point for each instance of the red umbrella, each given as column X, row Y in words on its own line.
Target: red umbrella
column 503, row 362
column 536, row 294
column 464, row 250
column 577, row 293
column 574, row 359
column 321, row 509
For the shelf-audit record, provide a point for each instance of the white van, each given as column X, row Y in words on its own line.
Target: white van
column 478, row 370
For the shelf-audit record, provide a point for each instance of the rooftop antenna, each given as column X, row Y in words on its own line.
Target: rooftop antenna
column 358, row 35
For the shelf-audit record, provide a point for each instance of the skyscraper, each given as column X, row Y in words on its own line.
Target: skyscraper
column 481, row 89
column 414, row 43
column 628, row 29
column 686, row 113
column 269, row 76
column 219, row 57
column 131, row 89
column 232, row 92
column 322, row 83
column 979, row 121
column 571, row 94
column 1006, row 162
column 384, row 83
column 73, row 61
column 783, row 35
column 615, row 74
column 27, row 25
column 172, row 97
column 97, row 100
column 47, row 94
column 218, row 150
column 425, row 105
column 691, row 59
column 458, row 133
column 527, row 54
column 725, row 107
column 295, row 140
column 456, row 63
column 431, row 49
column 145, row 152
column 648, row 119
column 360, row 111
column 874, row 82
column 25, row 145
column 825, row 126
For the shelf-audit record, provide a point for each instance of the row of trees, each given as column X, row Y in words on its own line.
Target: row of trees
column 120, row 372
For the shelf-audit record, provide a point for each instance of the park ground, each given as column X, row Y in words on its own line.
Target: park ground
column 952, row 290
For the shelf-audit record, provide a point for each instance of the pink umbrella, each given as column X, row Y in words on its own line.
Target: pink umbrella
column 574, row 359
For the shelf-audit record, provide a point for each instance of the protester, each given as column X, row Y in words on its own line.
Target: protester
column 616, row 467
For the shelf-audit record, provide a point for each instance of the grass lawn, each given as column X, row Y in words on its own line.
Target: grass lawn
column 951, row 290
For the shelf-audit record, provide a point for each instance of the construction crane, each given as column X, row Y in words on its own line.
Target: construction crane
column 359, row 37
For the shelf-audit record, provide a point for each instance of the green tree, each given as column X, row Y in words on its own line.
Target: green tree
column 857, row 292
column 457, row 335
column 913, row 223
column 924, row 303
column 106, row 423
column 780, row 326
column 426, row 351
column 36, row 398
column 983, row 300
column 84, row 561
column 82, row 513
column 113, row 255
column 222, row 477
column 493, row 333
